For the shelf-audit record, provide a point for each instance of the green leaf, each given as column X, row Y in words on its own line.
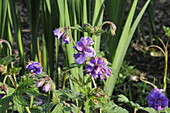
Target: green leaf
column 25, row 82
column 4, row 104
column 123, row 45
column 87, row 106
column 7, row 60
column 167, row 31
column 70, row 94
column 57, row 109
column 15, row 70
column 18, row 98
column 42, row 74
column 165, row 110
column 111, row 107
column 124, row 99
column 18, row 107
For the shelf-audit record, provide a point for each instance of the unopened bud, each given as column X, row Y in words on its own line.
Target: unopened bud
column 40, row 82
column 4, row 88
column 46, row 87
column 66, row 39
column 112, row 28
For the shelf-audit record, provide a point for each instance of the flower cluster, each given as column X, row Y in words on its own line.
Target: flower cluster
column 84, row 49
column 61, row 33
column 44, row 83
column 97, row 68
column 157, row 100
column 34, row 67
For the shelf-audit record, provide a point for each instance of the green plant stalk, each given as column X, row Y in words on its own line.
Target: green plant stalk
column 28, row 110
column 97, row 20
column 166, row 65
column 49, row 39
column 14, row 81
column 123, row 45
column 65, row 21
column 116, row 11
column 5, row 8
column 31, row 101
column 17, row 29
column 34, row 18
column 5, row 79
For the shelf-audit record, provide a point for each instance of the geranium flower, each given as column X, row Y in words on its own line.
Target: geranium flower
column 97, row 68
column 157, row 100
column 84, row 49
column 61, row 33
column 34, row 68
column 58, row 33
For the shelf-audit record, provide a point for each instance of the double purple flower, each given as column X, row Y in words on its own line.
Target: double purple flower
column 84, row 49
column 34, row 68
column 97, row 68
column 157, row 100
column 60, row 34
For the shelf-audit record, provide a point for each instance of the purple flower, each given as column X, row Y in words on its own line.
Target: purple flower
column 97, row 67
column 40, row 82
column 157, row 100
column 46, row 87
column 62, row 33
column 58, row 33
column 39, row 102
column 66, row 39
column 2, row 95
column 84, row 50
column 34, row 68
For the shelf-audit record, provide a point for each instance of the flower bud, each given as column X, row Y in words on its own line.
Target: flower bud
column 112, row 28
column 40, row 82
column 46, row 87
column 66, row 39
column 4, row 88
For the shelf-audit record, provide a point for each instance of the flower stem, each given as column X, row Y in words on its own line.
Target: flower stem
column 14, row 81
column 95, row 85
column 5, row 79
column 31, row 101
column 28, row 110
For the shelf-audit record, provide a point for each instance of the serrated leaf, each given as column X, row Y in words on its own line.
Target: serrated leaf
column 18, row 98
column 57, row 109
column 15, row 70
column 25, row 82
column 124, row 99
column 4, row 104
column 7, row 60
column 18, row 107
column 87, row 106
column 41, row 75
column 71, row 94
column 111, row 107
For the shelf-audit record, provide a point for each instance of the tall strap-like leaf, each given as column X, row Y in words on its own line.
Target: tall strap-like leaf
column 123, row 45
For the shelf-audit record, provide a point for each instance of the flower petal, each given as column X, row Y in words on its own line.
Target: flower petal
column 80, row 58
column 90, row 52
